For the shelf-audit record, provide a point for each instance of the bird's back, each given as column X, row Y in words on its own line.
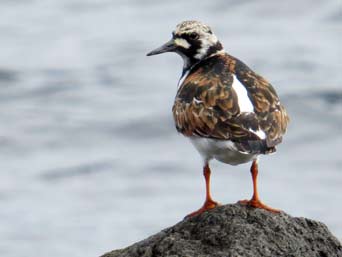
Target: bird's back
column 223, row 99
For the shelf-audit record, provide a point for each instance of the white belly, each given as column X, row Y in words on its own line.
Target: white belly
column 223, row 151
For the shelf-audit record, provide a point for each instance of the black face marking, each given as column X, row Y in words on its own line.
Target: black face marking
column 195, row 42
column 214, row 48
column 193, row 36
column 189, row 53
column 198, row 46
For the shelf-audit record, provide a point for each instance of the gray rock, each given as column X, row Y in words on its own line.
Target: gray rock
column 238, row 231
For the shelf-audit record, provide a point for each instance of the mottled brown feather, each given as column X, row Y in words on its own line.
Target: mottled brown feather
column 206, row 105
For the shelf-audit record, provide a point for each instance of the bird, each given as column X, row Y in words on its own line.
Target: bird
column 229, row 112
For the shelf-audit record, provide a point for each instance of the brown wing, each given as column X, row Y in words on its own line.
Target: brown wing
column 206, row 105
column 271, row 114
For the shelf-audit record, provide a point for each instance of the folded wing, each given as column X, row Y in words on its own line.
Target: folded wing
column 207, row 105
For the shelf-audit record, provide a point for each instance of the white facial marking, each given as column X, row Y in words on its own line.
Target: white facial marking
column 206, row 42
column 182, row 42
column 244, row 102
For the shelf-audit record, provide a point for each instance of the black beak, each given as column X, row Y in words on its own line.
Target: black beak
column 167, row 47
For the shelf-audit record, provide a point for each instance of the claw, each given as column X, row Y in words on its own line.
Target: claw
column 208, row 205
column 258, row 204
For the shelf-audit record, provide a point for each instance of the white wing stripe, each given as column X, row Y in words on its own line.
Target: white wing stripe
column 181, row 80
column 244, row 102
column 261, row 134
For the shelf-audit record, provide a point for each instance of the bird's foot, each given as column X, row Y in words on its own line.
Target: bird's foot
column 258, row 204
column 208, row 205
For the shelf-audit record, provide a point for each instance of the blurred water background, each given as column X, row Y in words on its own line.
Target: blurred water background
column 90, row 159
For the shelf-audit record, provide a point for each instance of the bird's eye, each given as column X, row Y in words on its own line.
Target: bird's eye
column 193, row 36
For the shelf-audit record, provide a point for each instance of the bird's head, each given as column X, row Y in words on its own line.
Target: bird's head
column 192, row 40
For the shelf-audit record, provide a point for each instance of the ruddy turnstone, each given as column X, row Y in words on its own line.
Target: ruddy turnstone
column 228, row 112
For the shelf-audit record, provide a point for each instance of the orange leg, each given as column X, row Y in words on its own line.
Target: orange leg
column 209, row 202
column 255, row 201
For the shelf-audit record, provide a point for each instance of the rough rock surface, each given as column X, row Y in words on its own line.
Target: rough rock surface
column 238, row 231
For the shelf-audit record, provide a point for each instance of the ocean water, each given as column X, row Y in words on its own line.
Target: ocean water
column 90, row 160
